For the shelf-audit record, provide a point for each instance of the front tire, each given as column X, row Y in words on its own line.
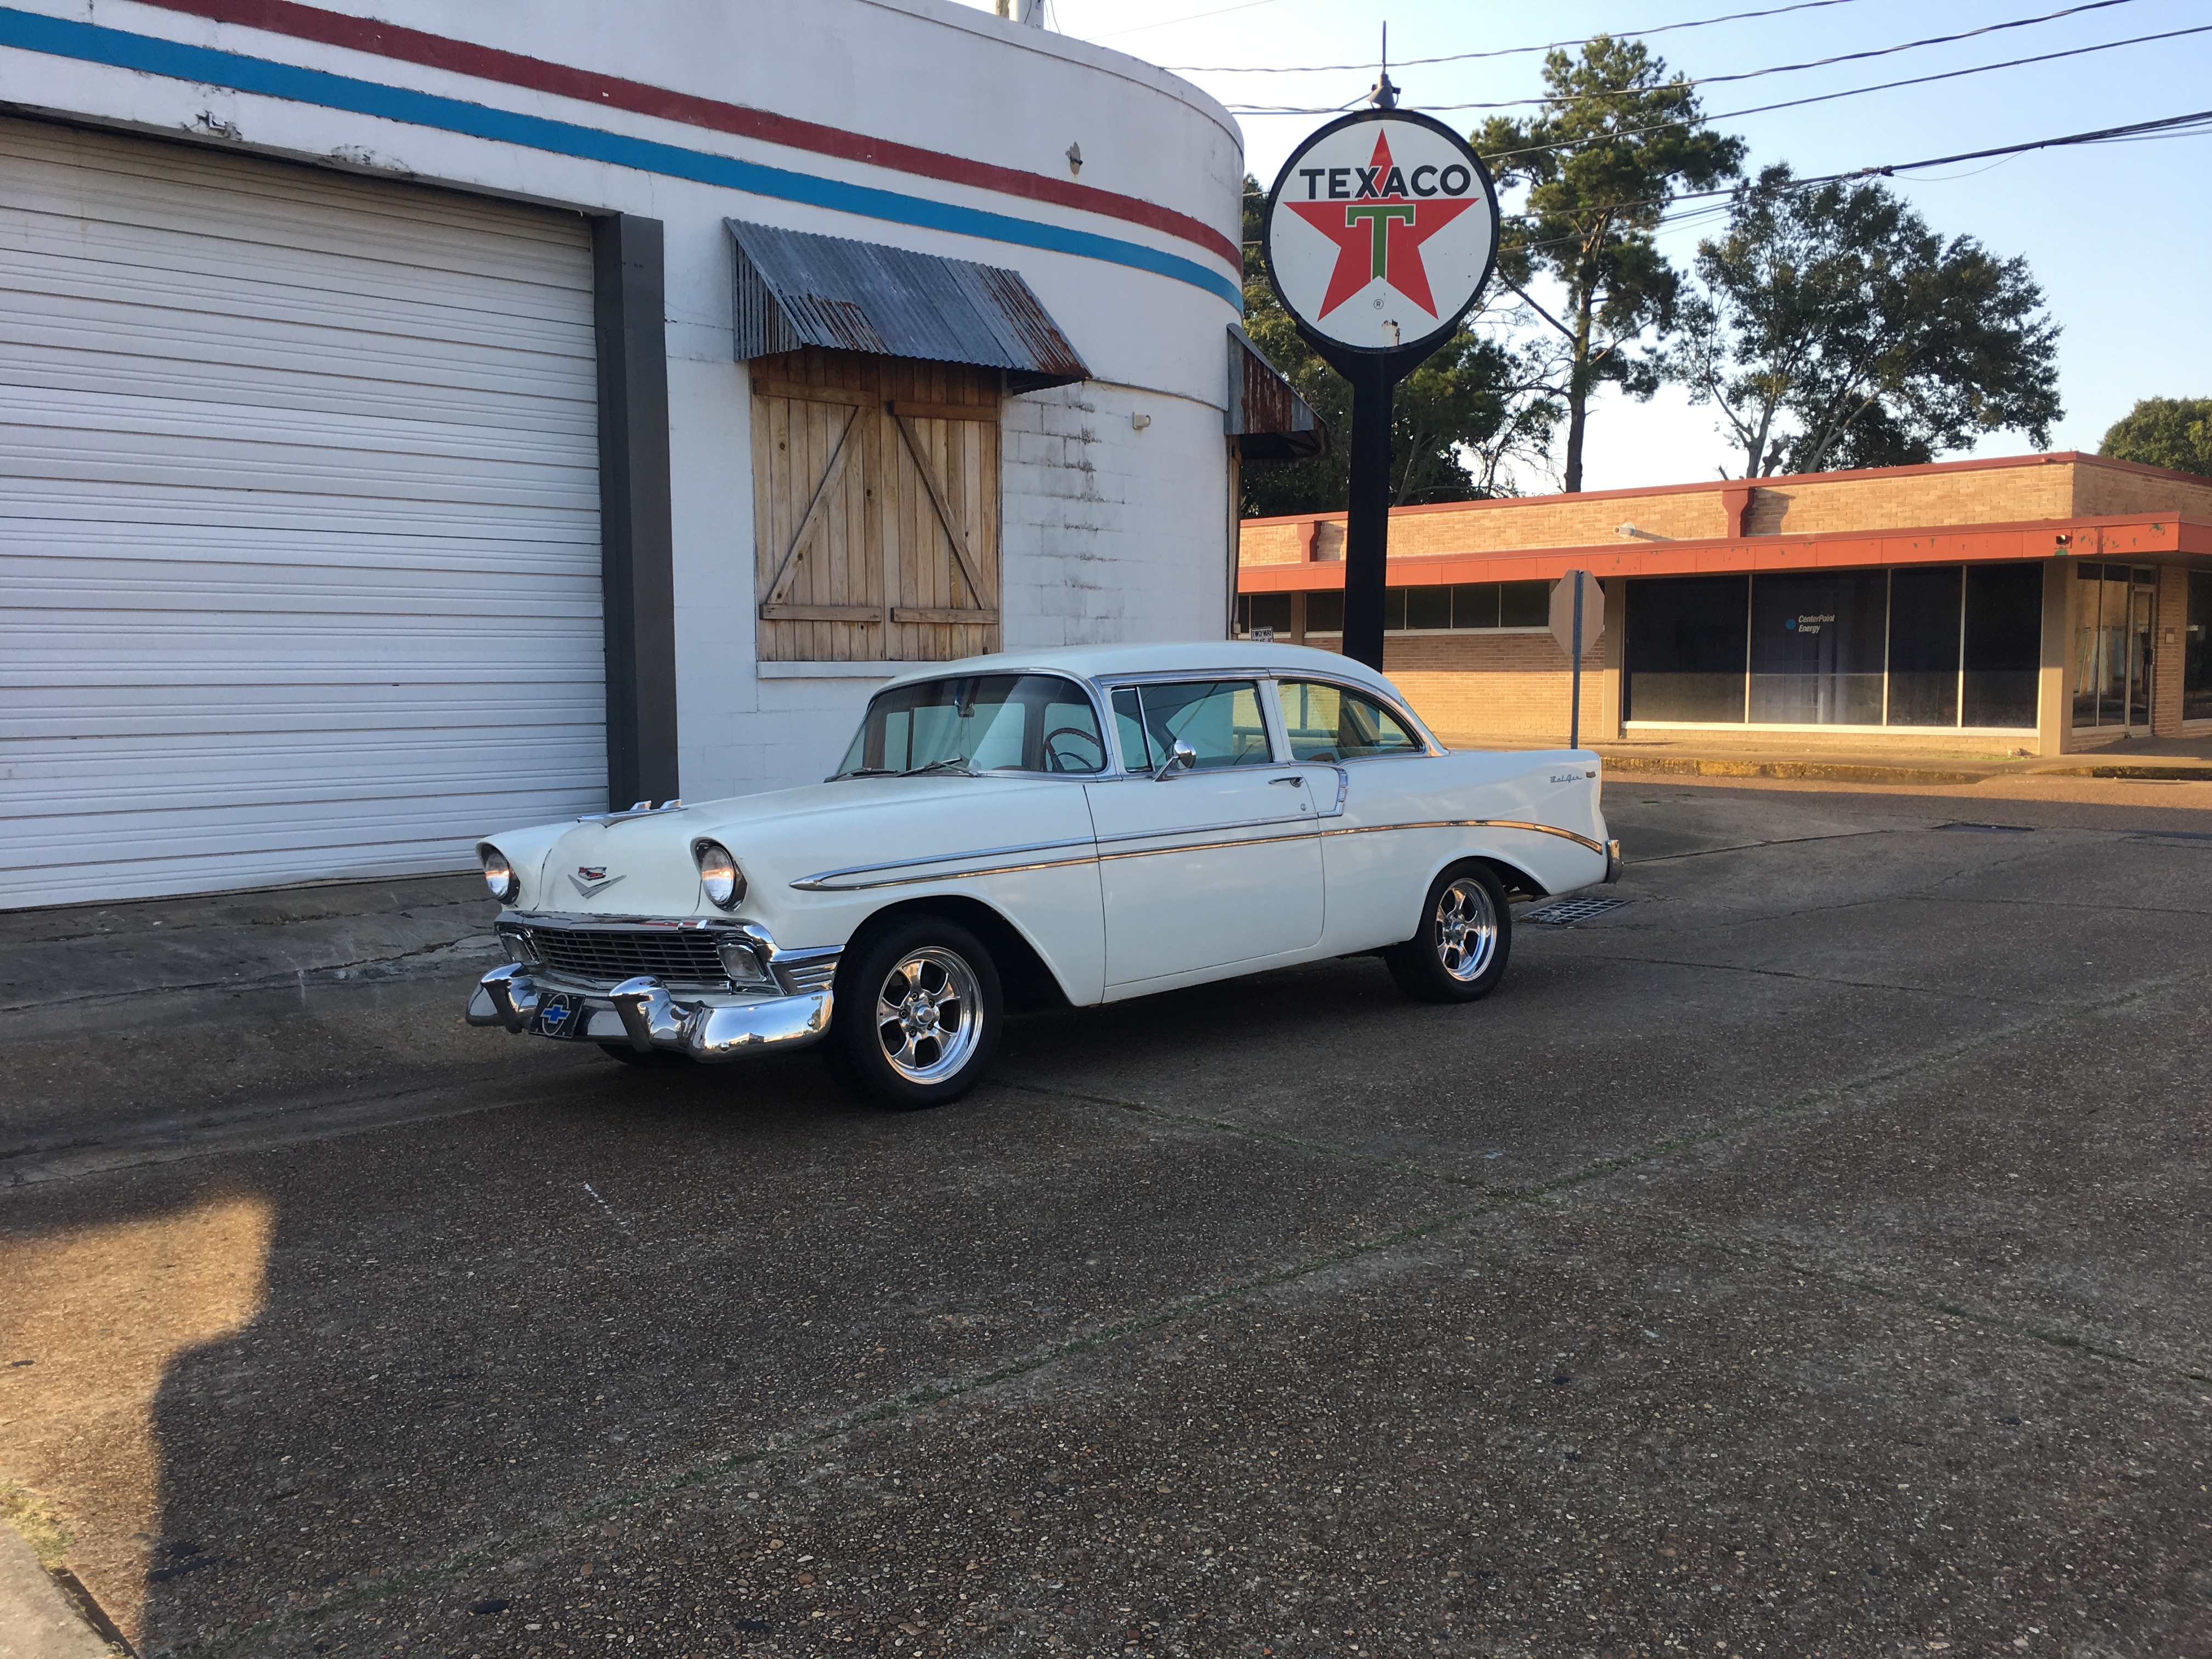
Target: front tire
column 919, row 1013
column 1465, row 935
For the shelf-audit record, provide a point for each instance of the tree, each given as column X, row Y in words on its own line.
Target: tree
column 1836, row 329
column 1617, row 141
column 2175, row 431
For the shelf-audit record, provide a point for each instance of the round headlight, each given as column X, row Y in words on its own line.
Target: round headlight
column 499, row 874
column 719, row 875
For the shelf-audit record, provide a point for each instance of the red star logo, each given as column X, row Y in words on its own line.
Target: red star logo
column 1379, row 236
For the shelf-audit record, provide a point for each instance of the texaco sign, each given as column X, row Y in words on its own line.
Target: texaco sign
column 1381, row 232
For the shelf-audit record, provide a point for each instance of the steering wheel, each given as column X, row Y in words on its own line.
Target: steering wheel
column 1053, row 761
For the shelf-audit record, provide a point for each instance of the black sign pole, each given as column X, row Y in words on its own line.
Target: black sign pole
column 1367, row 520
column 1575, row 714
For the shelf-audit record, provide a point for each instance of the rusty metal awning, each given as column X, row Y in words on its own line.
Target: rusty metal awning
column 796, row 290
column 1267, row 417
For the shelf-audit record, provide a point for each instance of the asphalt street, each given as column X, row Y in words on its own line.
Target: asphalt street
column 1807, row 1257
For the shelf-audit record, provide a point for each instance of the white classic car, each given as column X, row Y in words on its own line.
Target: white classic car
column 1039, row 828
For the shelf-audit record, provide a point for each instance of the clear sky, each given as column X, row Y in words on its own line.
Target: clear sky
column 2118, row 234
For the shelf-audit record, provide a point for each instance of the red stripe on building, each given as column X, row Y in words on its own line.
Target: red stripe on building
column 332, row 28
column 2133, row 537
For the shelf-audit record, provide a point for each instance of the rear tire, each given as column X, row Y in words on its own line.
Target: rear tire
column 918, row 1014
column 1459, row 954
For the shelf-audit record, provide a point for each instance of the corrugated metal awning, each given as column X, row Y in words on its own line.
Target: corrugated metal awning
column 1266, row 416
column 794, row 288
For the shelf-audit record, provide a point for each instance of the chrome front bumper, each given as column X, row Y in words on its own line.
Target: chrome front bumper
column 1612, row 861
column 707, row 1026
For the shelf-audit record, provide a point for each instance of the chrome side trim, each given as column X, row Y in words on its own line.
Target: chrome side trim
column 1300, row 818
column 812, row 884
column 1287, row 829
column 1597, row 846
column 817, row 882
column 827, row 881
column 1305, row 831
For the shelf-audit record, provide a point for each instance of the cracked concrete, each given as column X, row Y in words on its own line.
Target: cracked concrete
column 1807, row 1257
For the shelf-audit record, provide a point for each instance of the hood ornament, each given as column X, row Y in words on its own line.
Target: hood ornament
column 592, row 879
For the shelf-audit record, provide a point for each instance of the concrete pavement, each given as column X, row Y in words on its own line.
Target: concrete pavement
column 1804, row 1257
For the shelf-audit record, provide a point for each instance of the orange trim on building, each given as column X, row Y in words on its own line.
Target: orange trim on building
column 1775, row 481
column 2133, row 536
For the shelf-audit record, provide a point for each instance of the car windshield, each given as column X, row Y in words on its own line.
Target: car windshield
column 978, row 723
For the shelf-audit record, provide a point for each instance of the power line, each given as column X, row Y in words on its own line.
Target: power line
column 2169, row 127
column 1795, row 103
column 1501, row 52
column 1684, row 83
column 1852, row 92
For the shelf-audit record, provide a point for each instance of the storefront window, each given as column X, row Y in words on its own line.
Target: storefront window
column 2196, row 650
column 2003, row 644
column 1924, row 645
column 1685, row 650
column 2110, row 610
column 1816, row 647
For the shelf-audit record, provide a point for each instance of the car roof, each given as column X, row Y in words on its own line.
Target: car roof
column 1171, row 657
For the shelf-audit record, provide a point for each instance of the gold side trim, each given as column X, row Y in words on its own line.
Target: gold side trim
column 1306, row 831
column 942, row 875
column 1596, row 846
column 1302, row 834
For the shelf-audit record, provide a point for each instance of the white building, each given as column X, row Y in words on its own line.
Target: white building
column 418, row 418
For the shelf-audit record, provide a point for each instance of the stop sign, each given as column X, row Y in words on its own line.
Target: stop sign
column 1563, row 610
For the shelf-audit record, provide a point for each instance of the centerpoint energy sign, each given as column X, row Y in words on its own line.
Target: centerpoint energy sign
column 1381, row 233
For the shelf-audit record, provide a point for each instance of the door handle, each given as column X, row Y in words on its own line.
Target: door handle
column 1296, row 783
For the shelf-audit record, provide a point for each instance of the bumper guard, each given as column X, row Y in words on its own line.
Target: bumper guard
column 709, row 1026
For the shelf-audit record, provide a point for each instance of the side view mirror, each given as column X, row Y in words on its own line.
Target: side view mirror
column 1180, row 758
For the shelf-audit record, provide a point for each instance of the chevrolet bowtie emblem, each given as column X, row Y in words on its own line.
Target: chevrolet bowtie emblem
column 589, row 879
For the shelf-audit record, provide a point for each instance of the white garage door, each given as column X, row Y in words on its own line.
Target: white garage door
column 299, row 521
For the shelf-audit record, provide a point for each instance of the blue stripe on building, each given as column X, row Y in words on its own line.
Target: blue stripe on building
column 90, row 43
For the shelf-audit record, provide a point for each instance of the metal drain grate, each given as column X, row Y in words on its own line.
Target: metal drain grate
column 1992, row 829
column 1564, row 912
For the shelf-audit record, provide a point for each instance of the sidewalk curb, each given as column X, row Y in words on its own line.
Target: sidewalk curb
column 1822, row 771
column 37, row 1621
column 2145, row 769
column 1860, row 772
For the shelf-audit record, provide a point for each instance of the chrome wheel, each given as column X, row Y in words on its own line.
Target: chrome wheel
column 929, row 1014
column 1467, row 929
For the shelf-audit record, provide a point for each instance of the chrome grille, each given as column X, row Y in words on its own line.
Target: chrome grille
column 612, row 955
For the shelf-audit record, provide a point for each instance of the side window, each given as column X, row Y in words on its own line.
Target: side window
column 1221, row 720
column 1328, row 723
column 1070, row 741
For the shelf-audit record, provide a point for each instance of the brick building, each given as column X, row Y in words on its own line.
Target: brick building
column 2048, row 603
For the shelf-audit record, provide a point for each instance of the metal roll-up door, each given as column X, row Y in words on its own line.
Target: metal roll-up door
column 299, row 521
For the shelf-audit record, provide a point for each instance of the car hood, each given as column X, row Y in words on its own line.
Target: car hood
column 643, row 865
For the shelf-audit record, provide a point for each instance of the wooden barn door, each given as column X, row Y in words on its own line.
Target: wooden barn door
column 876, row 507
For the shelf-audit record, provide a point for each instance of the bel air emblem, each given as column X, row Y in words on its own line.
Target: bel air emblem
column 589, row 879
